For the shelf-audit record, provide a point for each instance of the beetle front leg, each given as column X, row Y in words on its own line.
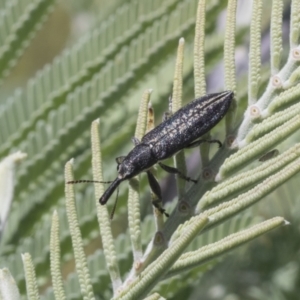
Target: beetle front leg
column 197, row 143
column 157, row 192
column 176, row 171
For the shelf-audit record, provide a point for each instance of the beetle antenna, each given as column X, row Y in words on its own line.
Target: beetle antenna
column 87, row 181
column 115, row 205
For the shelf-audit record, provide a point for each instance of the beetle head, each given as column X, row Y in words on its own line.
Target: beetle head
column 138, row 160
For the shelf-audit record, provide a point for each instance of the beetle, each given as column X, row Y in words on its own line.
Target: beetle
column 181, row 130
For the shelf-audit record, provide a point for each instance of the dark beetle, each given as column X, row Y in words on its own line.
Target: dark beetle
column 182, row 130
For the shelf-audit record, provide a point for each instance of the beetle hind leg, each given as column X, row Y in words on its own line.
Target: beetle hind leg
column 157, row 204
column 176, row 171
column 198, row 142
column 155, row 188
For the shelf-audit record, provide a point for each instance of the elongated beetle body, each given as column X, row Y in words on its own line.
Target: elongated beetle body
column 181, row 130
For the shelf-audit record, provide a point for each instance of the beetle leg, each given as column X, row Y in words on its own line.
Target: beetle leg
column 154, row 185
column 198, row 142
column 155, row 188
column 176, row 171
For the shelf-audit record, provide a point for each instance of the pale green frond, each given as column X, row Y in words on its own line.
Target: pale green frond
column 57, row 281
column 199, row 56
column 279, row 79
column 155, row 296
column 97, row 262
column 229, row 61
column 255, row 52
column 229, row 46
column 98, row 266
column 246, row 179
column 199, row 69
column 295, row 24
column 31, row 284
column 142, row 115
column 191, row 259
column 231, row 226
column 80, row 259
column 294, row 78
column 256, row 113
column 172, row 286
column 258, row 147
column 179, row 158
column 223, row 211
column 182, row 285
column 141, row 285
column 276, row 36
column 102, row 213
column 178, row 77
column 283, row 201
column 134, row 214
column 19, row 21
column 134, row 217
column 274, row 121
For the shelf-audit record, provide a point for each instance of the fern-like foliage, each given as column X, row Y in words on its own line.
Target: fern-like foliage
column 18, row 23
column 126, row 61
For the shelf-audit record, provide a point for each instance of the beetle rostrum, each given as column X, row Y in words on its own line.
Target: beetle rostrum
column 181, row 130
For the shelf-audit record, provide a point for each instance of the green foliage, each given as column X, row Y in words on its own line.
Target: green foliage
column 19, row 21
column 128, row 50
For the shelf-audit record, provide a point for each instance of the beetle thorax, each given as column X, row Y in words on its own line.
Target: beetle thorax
column 139, row 159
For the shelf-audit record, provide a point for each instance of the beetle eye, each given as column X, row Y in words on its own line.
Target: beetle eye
column 118, row 167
